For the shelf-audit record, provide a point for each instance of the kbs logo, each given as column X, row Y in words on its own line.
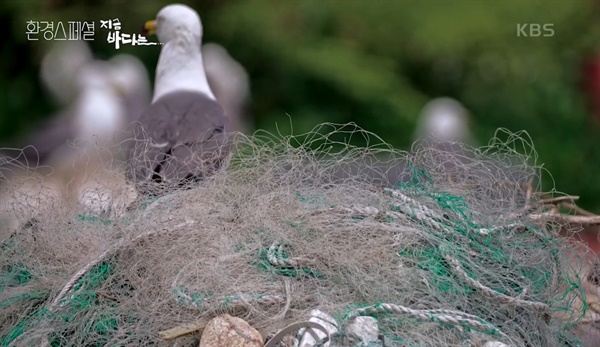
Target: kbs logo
column 535, row 30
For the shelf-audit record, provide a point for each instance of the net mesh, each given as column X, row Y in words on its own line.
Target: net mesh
column 444, row 246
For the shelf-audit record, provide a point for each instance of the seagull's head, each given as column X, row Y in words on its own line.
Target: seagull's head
column 60, row 68
column 173, row 21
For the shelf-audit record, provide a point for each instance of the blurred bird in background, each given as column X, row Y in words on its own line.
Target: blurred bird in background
column 443, row 120
column 70, row 158
column 59, row 73
column 444, row 125
column 60, row 66
column 131, row 77
column 230, row 83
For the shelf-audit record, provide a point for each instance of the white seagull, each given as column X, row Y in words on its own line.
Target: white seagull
column 184, row 126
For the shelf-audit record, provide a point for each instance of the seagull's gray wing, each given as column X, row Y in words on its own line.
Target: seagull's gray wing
column 187, row 138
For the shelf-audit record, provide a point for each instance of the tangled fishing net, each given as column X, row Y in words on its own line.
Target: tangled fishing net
column 442, row 247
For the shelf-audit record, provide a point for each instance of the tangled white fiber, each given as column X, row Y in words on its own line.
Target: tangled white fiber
column 442, row 247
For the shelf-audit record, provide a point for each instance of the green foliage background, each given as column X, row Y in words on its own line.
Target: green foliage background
column 375, row 63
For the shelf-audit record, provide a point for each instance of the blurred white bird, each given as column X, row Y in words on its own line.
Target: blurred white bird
column 79, row 157
column 442, row 132
column 60, row 67
column 444, row 120
column 60, row 74
column 131, row 77
column 229, row 82
column 93, row 168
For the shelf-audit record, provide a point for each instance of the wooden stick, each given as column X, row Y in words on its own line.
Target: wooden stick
column 182, row 330
column 559, row 217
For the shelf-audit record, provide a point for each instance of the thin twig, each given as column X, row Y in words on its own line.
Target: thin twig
column 576, row 209
column 565, row 218
column 559, row 199
column 588, row 321
column 528, row 194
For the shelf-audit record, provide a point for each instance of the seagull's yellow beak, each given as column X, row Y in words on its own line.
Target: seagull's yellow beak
column 149, row 28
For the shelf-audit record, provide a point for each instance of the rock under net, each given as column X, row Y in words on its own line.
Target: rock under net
column 442, row 247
